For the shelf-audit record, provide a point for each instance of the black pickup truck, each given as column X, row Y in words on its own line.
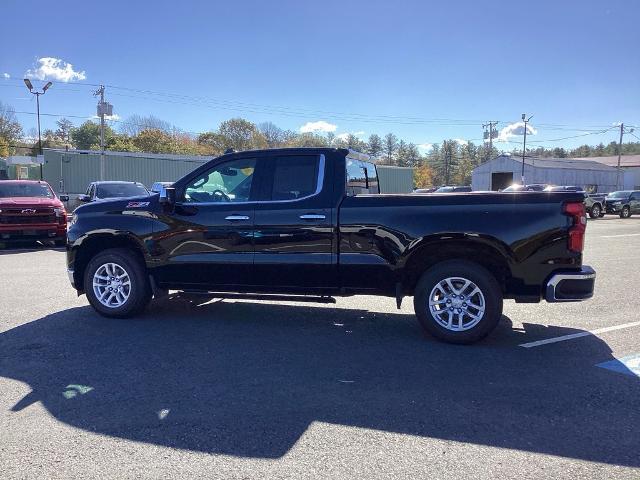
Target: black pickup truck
column 310, row 223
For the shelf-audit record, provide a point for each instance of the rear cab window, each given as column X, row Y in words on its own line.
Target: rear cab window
column 362, row 177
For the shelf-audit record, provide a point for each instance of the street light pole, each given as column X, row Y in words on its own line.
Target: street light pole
column 524, row 146
column 29, row 85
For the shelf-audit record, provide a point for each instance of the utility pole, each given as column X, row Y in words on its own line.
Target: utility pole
column 524, row 146
column 492, row 134
column 619, row 155
column 104, row 108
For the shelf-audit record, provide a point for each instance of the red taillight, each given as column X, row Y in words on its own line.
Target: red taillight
column 577, row 230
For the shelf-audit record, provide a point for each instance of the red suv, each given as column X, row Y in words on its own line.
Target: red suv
column 30, row 210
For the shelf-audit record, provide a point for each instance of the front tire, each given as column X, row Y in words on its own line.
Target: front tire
column 625, row 212
column 596, row 211
column 116, row 284
column 458, row 302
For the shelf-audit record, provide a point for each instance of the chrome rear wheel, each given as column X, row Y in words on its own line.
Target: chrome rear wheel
column 457, row 304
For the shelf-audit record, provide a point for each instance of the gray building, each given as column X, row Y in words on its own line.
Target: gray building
column 504, row 170
column 628, row 163
column 71, row 171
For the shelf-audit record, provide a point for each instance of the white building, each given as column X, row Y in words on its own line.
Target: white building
column 505, row 170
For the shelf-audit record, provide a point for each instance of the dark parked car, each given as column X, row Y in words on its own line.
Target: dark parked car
column 624, row 203
column 311, row 221
column 107, row 190
column 453, row 189
column 31, row 211
column 594, row 203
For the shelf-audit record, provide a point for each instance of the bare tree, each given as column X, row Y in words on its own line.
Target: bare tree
column 135, row 124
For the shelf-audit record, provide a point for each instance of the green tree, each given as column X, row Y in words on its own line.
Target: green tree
column 240, row 134
column 389, row 145
column 374, row 145
column 154, row 141
column 10, row 130
column 87, row 136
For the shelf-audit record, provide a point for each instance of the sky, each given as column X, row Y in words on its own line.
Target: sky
column 426, row 71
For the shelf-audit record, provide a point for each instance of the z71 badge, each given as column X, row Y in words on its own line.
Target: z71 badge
column 137, row 204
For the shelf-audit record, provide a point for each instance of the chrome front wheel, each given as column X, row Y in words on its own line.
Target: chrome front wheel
column 457, row 304
column 111, row 285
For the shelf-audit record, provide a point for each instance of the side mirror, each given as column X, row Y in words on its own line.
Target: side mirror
column 84, row 198
column 168, row 196
column 64, row 198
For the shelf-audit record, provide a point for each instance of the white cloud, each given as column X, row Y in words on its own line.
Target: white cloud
column 425, row 146
column 358, row 133
column 6, row 75
column 319, row 126
column 514, row 130
column 50, row 68
column 460, row 141
column 342, row 136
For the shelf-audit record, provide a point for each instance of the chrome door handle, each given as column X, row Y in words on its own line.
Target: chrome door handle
column 235, row 218
column 312, row 216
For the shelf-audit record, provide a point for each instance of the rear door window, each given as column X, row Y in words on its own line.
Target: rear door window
column 294, row 177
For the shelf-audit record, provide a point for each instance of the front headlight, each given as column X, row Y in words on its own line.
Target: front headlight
column 619, row 202
column 60, row 212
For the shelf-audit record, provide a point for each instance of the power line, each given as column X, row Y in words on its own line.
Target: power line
column 298, row 112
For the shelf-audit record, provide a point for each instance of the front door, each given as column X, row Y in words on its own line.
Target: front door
column 208, row 242
column 293, row 225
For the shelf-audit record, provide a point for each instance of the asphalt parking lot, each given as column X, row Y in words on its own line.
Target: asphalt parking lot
column 248, row 389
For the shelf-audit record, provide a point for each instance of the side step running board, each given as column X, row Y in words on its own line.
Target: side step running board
column 264, row 296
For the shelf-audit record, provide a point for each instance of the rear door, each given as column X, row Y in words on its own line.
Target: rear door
column 634, row 202
column 293, row 230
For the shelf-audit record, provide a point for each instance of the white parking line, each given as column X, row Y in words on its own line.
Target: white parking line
column 578, row 335
column 621, row 235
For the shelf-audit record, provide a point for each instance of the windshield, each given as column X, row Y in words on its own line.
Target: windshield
column 25, row 190
column 113, row 190
column 444, row 189
column 619, row 194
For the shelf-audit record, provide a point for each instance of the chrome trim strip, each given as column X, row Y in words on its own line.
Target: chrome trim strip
column 312, row 216
column 232, row 218
column 70, row 275
column 319, row 184
column 550, row 291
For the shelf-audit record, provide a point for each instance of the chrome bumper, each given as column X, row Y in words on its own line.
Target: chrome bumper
column 571, row 286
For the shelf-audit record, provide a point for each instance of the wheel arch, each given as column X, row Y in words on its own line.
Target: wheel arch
column 489, row 254
column 90, row 245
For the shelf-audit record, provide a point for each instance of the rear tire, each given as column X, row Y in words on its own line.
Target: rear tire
column 625, row 212
column 458, row 302
column 596, row 211
column 116, row 284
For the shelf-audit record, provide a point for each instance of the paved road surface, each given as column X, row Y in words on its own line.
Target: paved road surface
column 247, row 389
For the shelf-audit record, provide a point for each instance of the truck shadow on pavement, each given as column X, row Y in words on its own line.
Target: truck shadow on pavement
column 247, row 379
